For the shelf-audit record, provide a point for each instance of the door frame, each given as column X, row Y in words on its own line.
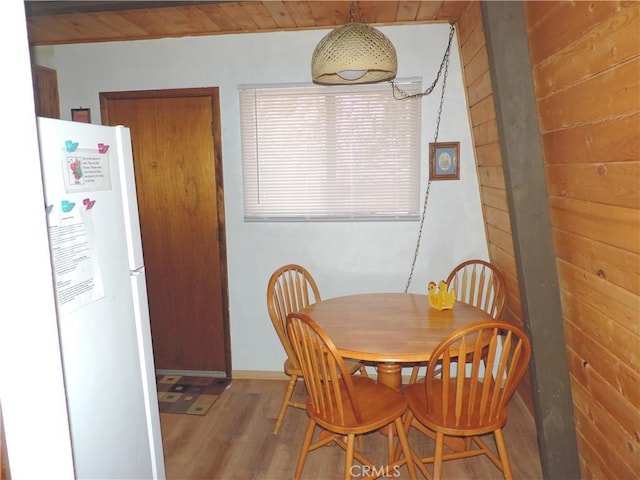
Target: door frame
column 214, row 94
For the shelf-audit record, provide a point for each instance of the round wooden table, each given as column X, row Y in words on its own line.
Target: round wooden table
column 389, row 328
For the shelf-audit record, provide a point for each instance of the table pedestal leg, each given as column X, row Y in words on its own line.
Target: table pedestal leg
column 390, row 374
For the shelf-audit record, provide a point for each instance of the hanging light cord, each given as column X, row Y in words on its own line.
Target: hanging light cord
column 444, row 70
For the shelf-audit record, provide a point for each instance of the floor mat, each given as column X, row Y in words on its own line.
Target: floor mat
column 190, row 395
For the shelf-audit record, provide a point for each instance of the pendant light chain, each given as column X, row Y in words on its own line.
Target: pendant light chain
column 400, row 94
column 444, row 70
column 352, row 12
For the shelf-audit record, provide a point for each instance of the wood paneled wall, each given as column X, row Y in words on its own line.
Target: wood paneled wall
column 587, row 79
column 586, row 70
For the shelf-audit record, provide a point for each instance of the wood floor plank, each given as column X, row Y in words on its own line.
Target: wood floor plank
column 234, row 440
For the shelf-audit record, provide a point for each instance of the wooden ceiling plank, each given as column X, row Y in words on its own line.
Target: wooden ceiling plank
column 385, row 12
column 121, row 27
column 198, row 21
column 94, row 23
column 43, row 24
column 260, row 15
column 407, row 11
column 301, row 13
column 45, row 31
column 365, row 12
column 156, row 22
column 280, row 14
column 428, row 11
column 341, row 12
column 220, row 18
column 239, row 16
column 182, row 22
column 452, row 11
column 323, row 13
column 203, row 18
column 73, row 28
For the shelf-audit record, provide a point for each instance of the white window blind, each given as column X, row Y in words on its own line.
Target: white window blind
column 330, row 153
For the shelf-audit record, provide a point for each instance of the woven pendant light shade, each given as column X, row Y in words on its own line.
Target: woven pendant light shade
column 354, row 53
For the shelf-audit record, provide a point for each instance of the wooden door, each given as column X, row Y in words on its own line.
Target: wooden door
column 45, row 91
column 178, row 165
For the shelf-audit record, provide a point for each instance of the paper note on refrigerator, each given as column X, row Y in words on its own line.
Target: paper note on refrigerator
column 86, row 170
column 75, row 262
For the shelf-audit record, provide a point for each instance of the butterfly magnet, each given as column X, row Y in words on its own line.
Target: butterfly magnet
column 88, row 203
column 70, row 146
column 67, row 206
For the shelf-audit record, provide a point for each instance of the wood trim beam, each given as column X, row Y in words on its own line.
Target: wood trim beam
column 523, row 163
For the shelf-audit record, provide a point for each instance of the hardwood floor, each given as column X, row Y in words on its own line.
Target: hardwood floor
column 234, row 440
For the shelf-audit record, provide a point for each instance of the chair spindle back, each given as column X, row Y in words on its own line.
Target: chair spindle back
column 327, row 378
column 480, row 284
column 474, row 393
column 291, row 288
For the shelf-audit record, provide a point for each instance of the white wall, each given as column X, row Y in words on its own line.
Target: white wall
column 343, row 257
column 31, row 383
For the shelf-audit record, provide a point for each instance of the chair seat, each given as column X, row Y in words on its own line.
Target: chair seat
column 379, row 405
column 417, row 400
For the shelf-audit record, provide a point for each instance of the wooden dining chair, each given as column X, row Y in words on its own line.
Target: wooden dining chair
column 469, row 398
column 342, row 405
column 292, row 288
column 481, row 284
column 478, row 283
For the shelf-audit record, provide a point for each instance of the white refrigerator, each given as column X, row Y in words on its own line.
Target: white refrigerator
column 101, row 298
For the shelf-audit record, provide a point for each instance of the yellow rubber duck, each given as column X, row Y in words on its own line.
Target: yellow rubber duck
column 448, row 296
column 440, row 297
column 435, row 299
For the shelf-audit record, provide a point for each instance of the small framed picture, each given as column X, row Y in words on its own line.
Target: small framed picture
column 81, row 115
column 444, row 161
